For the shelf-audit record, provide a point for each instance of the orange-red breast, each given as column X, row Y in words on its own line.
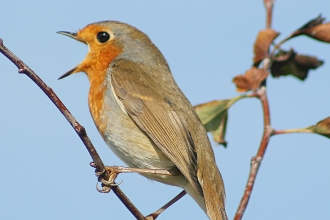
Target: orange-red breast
column 142, row 114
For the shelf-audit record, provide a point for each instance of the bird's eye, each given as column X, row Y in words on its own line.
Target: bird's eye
column 103, row 37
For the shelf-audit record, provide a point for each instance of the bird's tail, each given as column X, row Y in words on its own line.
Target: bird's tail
column 213, row 206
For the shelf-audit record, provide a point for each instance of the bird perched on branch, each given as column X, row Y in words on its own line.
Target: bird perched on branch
column 142, row 114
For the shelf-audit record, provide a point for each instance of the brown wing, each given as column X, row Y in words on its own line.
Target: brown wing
column 144, row 101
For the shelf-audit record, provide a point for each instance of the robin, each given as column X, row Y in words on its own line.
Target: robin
column 142, row 114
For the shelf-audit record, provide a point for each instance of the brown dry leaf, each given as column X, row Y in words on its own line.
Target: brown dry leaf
column 315, row 29
column 251, row 80
column 307, row 62
column 242, row 84
column 322, row 127
column 291, row 63
column 214, row 117
column 320, row 32
column 261, row 45
column 255, row 76
column 312, row 23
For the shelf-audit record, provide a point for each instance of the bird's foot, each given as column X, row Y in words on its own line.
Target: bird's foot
column 106, row 184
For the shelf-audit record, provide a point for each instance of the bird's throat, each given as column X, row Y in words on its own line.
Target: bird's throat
column 96, row 67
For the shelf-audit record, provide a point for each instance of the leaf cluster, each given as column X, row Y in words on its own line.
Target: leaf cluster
column 269, row 59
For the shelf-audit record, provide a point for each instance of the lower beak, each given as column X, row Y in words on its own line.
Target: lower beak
column 76, row 37
column 68, row 73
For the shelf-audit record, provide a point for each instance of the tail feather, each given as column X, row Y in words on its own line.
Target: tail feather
column 213, row 188
column 212, row 203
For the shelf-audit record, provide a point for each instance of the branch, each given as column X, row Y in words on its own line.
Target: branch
column 256, row 161
column 261, row 94
column 80, row 130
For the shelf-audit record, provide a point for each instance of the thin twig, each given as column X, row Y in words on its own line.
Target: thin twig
column 80, row 130
column 280, row 44
column 295, row 130
column 155, row 214
column 269, row 10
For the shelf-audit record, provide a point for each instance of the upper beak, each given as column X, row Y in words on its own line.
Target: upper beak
column 76, row 37
column 72, row 35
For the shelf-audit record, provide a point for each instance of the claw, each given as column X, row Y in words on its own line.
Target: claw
column 99, row 173
column 117, row 184
column 110, row 182
column 106, row 182
column 104, row 189
column 92, row 164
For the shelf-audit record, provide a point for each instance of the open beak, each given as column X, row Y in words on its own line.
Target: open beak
column 74, row 36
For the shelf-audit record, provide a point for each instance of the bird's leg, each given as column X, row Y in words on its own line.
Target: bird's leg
column 118, row 169
column 115, row 170
column 155, row 214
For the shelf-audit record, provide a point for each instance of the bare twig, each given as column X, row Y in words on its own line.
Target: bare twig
column 296, row 130
column 80, row 130
column 269, row 10
column 155, row 214
column 280, row 44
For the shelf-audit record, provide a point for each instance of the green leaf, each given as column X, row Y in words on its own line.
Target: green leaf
column 214, row 117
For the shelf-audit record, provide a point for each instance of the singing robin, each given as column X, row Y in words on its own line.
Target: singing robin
column 142, row 114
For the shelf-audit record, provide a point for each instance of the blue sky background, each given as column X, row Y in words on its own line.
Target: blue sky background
column 45, row 172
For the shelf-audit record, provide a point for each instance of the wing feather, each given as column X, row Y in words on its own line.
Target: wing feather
column 153, row 113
